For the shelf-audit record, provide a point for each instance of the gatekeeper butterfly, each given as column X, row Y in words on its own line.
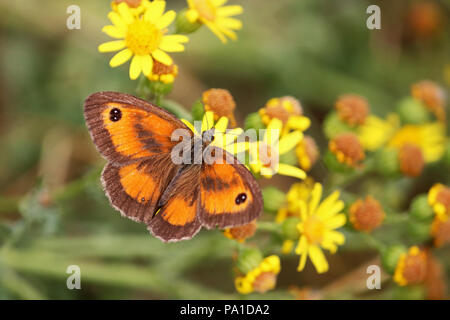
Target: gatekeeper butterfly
column 145, row 185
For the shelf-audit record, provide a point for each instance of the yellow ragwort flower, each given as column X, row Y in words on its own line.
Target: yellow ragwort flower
column 163, row 73
column 288, row 110
column 265, row 154
column 223, row 138
column 216, row 16
column 439, row 200
column 260, row 279
column 141, row 39
column 307, row 153
column 137, row 7
column 298, row 191
column 317, row 228
column 375, row 132
column 429, row 137
column 411, row 267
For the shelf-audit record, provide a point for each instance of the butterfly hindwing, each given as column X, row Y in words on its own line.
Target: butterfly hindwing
column 177, row 218
column 229, row 194
column 127, row 129
column 135, row 189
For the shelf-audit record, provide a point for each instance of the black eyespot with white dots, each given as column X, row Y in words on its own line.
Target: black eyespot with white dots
column 241, row 198
column 115, row 115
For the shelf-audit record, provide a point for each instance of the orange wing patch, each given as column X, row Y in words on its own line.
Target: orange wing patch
column 223, row 190
column 137, row 184
column 179, row 211
column 178, row 219
column 137, row 133
column 229, row 195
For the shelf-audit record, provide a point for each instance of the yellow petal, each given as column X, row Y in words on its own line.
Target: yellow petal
column 229, row 11
column 303, row 210
column 162, row 57
column 125, row 13
column 291, row 171
column 216, row 31
column 318, row 259
column 219, row 3
column 298, row 123
column 273, row 131
column 135, row 67
column 117, row 20
column 230, row 23
column 207, row 121
column 166, row 19
column 188, row 124
column 147, row 65
column 336, row 222
column 335, row 237
column 154, row 11
column 170, row 46
column 289, row 141
column 237, row 147
column 228, row 32
column 316, row 194
column 120, row 58
column 302, row 246
column 221, row 124
column 114, row 32
column 111, row 46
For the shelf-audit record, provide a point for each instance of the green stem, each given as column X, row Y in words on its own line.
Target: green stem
column 269, row 226
column 372, row 241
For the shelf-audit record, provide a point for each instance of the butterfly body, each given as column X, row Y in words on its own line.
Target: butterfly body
column 143, row 182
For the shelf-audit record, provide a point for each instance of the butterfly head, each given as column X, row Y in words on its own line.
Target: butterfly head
column 208, row 136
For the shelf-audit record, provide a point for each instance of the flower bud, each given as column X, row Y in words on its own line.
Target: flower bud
column 424, row 19
column 352, row 109
column 439, row 199
column 333, row 125
column 163, row 73
column 411, row 267
column 432, row 96
column 366, row 215
column 274, row 199
column 390, row 257
column 440, row 230
column 307, row 153
column 185, row 23
column 248, row 259
column 280, row 108
column 386, row 162
column 221, row 102
column 420, row 209
column 197, row 111
column 241, row 233
column 419, row 231
column 253, row 121
column 347, row 148
column 289, row 228
column 411, row 160
column 413, row 111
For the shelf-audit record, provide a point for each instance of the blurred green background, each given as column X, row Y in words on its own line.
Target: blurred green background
column 53, row 212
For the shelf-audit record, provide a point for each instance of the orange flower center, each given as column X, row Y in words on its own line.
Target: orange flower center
column 143, row 37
